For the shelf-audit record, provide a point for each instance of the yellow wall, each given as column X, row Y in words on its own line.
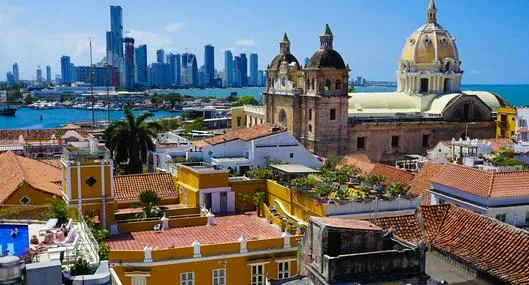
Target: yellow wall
column 237, row 113
column 506, row 127
column 295, row 203
column 36, row 197
column 213, row 180
column 88, row 171
column 238, row 267
column 248, row 187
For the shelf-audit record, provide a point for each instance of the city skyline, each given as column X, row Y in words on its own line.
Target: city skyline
column 371, row 47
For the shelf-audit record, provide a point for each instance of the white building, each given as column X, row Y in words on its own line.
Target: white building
column 500, row 195
column 522, row 130
column 243, row 149
column 168, row 146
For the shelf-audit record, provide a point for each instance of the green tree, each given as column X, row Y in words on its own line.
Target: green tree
column 244, row 197
column 129, row 140
column 258, row 199
column 397, row 188
column 149, row 203
column 246, row 100
column 197, row 125
column 80, row 266
column 58, row 208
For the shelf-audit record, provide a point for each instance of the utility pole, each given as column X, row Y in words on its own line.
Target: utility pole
column 92, row 85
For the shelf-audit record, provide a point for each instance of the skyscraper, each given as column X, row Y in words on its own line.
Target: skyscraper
column 253, row 69
column 16, row 72
column 189, row 70
column 141, row 64
column 174, row 69
column 129, row 63
column 48, row 73
column 260, row 78
column 10, row 78
column 39, row 74
column 65, row 70
column 243, row 69
column 209, row 65
column 160, row 74
column 236, row 71
column 178, row 71
column 228, row 68
column 115, row 35
column 160, row 56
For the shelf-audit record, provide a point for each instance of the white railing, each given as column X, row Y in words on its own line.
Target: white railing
column 373, row 206
column 88, row 239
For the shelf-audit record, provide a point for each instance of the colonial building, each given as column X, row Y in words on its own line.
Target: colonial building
column 313, row 102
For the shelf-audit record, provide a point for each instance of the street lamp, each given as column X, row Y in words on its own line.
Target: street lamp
column 466, row 128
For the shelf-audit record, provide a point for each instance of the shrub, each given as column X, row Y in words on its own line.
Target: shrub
column 59, row 209
column 80, row 266
column 395, row 189
column 263, row 173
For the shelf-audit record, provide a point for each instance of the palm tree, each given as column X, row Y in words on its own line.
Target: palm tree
column 128, row 139
column 149, row 203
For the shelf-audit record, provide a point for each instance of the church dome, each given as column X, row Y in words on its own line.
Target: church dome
column 284, row 54
column 431, row 43
column 326, row 56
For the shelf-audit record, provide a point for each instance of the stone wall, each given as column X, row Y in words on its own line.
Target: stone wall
column 378, row 137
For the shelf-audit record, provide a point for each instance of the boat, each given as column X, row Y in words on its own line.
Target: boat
column 8, row 110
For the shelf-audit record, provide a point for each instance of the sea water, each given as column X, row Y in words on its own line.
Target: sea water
column 516, row 95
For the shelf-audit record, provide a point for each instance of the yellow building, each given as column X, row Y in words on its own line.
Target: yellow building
column 506, row 122
column 237, row 118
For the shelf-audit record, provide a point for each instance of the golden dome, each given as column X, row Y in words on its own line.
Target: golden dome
column 431, row 43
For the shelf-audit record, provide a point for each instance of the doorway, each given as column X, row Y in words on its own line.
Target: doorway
column 424, row 85
column 207, row 201
column 223, row 202
column 448, row 85
column 334, row 243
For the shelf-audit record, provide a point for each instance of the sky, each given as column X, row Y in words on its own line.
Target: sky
column 491, row 35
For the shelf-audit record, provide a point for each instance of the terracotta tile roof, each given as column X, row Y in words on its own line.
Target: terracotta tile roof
column 499, row 143
column 483, row 183
column 420, row 183
column 405, row 226
column 392, row 174
column 227, row 229
column 247, row 134
column 490, row 246
column 52, row 162
column 16, row 170
column 129, row 187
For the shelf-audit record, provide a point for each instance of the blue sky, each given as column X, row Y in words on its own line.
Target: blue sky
column 492, row 35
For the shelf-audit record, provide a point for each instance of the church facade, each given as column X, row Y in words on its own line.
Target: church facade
column 428, row 106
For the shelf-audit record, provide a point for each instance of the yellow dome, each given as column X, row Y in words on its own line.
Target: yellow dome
column 430, row 43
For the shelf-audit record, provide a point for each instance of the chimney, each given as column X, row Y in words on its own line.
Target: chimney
column 211, row 219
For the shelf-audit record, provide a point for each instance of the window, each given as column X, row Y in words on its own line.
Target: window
column 333, row 114
column 238, row 121
column 424, row 85
column 312, row 85
column 24, row 200
column 138, row 280
column 500, row 217
column 283, row 269
column 360, row 143
column 327, row 84
column 448, row 83
column 503, row 118
column 219, row 277
column 310, row 114
column 527, row 217
column 291, row 155
column 425, row 140
column 338, row 85
column 187, row 278
column 394, row 141
column 283, row 117
column 310, row 128
column 308, row 83
column 441, row 201
column 258, row 274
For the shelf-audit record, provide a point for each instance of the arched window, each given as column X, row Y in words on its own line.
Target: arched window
column 523, row 123
column 327, row 84
column 308, row 84
column 310, row 114
column 310, row 128
column 338, row 85
column 312, row 84
column 283, row 117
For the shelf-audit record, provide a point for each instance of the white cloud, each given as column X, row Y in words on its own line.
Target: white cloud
column 245, row 42
column 174, row 27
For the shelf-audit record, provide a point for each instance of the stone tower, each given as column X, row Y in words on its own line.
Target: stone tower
column 324, row 107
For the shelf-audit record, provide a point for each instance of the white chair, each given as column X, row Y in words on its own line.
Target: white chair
column 50, row 224
column 70, row 238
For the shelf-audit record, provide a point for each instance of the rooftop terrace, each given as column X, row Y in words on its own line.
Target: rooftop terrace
column 227, row 229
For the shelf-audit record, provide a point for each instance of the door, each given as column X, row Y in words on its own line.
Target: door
column 223, row 202
column 207, row 201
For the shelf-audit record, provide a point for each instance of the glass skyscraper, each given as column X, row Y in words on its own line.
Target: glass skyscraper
column 209, row 65
column 243, row 69
column 48, row 73
column 115, row 35
column 140, row 58
column 228, row 68
column 253, row 69
column 160, row 56
column 16, row 72
column 65, row 70
column 129, row 63
column 174, row 69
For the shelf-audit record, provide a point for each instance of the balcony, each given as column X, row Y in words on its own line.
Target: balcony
column 71, row 153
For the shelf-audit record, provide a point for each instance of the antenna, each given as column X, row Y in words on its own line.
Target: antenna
column 92, row 85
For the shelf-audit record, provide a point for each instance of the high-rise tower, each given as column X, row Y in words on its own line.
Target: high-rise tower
column 129, row 62
column 16, row 72
column 160, row 56
column 243, row 69
column 228, row 68
column 48, row 73
column 209, row 65
column 140, row 58
column 115, row 35
column 253, row 69
column 66, row 72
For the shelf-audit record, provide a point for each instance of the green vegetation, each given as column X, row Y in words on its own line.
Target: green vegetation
column 197, row 125
column 258, row 200
column 80, row 266
column 374, row 179
column 303, row 183
column 246, row 100
column 260, row 173
column 58, row 208
column 332, row 162
column 500, row 160
column 395, row 189
column 169, row 124
column 128, row 139
column 244, row 197
column 149, row 203
column 101, row 236
column 175, row 100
